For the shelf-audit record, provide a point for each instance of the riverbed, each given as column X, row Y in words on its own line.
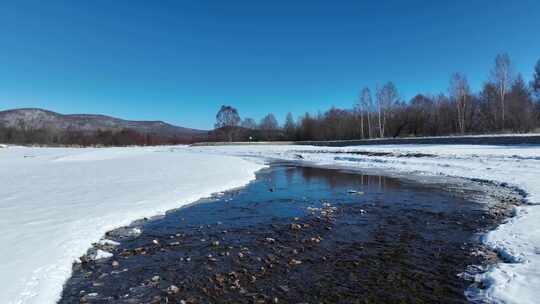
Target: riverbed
column 303, row 235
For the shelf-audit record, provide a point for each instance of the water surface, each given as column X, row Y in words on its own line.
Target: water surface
column 298, row 235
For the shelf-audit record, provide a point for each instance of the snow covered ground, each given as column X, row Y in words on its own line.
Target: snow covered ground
column 517, row 281
column 54, row 202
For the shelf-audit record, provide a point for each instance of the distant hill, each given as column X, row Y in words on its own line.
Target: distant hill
column 44, row 121
column 39, row 119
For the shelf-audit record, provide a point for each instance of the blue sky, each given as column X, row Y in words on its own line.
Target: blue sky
column 178, row 61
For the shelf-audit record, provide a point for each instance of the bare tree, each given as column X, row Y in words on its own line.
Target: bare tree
column 359, row 110
column 227, row 118
column 268, row 126
column 367, row 101
column 387, row 98
column 379, row 96
column 269, row 122
column 489, row 108
column 249, row 123
column 420, row 115
column 535, row 83
column 290, row 126
column 363, row 109
column 459, row 92
column 307, row 127
column 535, row 87
column 502, row 78
column 520, row 115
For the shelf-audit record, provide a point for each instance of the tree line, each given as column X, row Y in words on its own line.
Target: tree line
column 505, row 104
column 121, row 137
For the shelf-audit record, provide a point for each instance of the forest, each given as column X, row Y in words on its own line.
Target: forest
column 505, row 104
column 121, row 137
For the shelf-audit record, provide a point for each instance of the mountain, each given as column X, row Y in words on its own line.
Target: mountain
column 43, row 119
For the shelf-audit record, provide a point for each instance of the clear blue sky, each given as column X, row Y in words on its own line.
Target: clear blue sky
column 178, row 61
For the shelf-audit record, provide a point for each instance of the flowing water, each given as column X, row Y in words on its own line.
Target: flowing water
column 299, row 235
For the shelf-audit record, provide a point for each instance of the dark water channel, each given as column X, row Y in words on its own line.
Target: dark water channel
column 297, row 235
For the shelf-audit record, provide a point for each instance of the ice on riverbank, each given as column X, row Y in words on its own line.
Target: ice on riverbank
column 54, row 202
column 518, row 280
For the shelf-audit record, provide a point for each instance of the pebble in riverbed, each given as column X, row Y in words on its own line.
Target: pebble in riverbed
column 250, row 266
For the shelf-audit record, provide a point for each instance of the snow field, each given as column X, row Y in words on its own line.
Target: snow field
column 55, row 202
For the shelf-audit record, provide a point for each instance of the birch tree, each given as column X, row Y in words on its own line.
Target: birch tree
column 459, row 92
column 387, row 96
column 367, row 105
column 502, row 78
column 379, row 98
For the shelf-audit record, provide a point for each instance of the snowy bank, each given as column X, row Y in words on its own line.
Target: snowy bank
column 54, row 202
column 518, row 240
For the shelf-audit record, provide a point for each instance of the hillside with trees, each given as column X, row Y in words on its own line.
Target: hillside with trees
column 37, row 126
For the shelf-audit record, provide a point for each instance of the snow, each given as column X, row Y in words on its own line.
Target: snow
column 108, row 242
column 55, row 202
column 102, row 255
column 517, row 280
